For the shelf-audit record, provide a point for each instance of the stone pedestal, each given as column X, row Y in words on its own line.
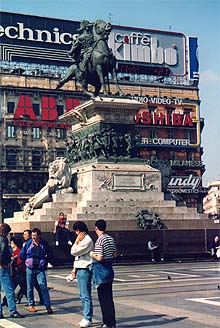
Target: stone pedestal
column 114, row 188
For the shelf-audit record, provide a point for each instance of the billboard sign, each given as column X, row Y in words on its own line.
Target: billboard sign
column 193, row 61
column 45, row 40
column 184, row 184
column 160, row 52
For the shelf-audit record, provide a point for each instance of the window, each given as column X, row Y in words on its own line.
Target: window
column 36, row 133
column 61, row 153
column 11, row 131
column 61, row 133
column 171, row 135
column 190, row 156
column 36, row 109
column 37, row 184
column 153, row 134
column 172, row 155
column 49, row 131
column 36, row 159
column 189, row 136
column 10, row 107
column 11, row 158
column 60, row 110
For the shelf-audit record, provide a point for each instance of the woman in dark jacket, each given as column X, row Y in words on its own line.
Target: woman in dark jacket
column 6, row 281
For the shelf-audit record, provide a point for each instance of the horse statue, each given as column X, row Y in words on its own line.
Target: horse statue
column 94, row 60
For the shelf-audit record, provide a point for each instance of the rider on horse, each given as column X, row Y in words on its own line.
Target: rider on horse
column 81, row 49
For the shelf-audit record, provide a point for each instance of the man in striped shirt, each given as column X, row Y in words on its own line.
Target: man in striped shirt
column 103, row 274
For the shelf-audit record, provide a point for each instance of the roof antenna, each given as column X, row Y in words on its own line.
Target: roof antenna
column 170, row 27
column 110, row 17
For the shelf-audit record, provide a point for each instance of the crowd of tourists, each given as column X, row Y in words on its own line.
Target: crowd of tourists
column 23, row 265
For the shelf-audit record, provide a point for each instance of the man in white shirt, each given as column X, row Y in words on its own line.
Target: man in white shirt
column 82, row 265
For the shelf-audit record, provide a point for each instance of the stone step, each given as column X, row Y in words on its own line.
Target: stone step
column 111, row 196
column 126, row 216
column 66, row 198
column 200, row 222
column 60, row 206
column 134, row 209
column 128, row 203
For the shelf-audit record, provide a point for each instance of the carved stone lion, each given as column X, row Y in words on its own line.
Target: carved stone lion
column 59, row 182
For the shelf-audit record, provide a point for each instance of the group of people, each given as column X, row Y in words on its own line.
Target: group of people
column 23, row 265
column 29, row 260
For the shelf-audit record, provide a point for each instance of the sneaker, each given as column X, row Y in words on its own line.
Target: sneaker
column 16, row 315
column 153, row 260
column 31, row 308
column 84, row 323
column 70, row 243
column 57, row 243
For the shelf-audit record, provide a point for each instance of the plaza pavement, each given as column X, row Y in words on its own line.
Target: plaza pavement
column 174, row 295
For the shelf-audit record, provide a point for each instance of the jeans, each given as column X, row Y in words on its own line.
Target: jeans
column 84, row 278
column 102, row 272
column 65, row 231
column 107, row 304
column 40, row 276
column 6, row 283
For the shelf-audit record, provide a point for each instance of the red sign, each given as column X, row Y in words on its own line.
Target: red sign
column 48, row 106
column 164, row 119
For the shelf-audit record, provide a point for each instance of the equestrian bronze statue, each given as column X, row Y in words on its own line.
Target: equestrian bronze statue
column 92, row 59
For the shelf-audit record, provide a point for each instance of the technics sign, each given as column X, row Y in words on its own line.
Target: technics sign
column 45, row 40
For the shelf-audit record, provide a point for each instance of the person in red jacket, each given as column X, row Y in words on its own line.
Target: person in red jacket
column 17, row 266
column 62, row 226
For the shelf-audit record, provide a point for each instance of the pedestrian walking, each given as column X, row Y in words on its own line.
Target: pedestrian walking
column 155, row 250
column 18, row 267
column 215, row 248
column 82, row 268
column 36, row 253
column 103, row 274
column 21, row 293
column 6, row 281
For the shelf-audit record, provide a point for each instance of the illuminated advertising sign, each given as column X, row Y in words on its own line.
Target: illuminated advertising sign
column 184, row 184
column 184, row 114
column 46, row 40
column 156, row 49
column 35, row 39
column 49, row 113
column 193, row 62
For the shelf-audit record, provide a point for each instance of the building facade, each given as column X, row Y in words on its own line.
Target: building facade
column 211, row 202
column 157, row 68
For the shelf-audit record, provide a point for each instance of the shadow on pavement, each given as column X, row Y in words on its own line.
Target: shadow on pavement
column 143, row 321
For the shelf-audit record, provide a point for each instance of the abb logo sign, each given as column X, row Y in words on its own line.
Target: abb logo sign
column 48, row 108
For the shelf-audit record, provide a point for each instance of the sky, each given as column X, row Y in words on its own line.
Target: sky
column 200, row 18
